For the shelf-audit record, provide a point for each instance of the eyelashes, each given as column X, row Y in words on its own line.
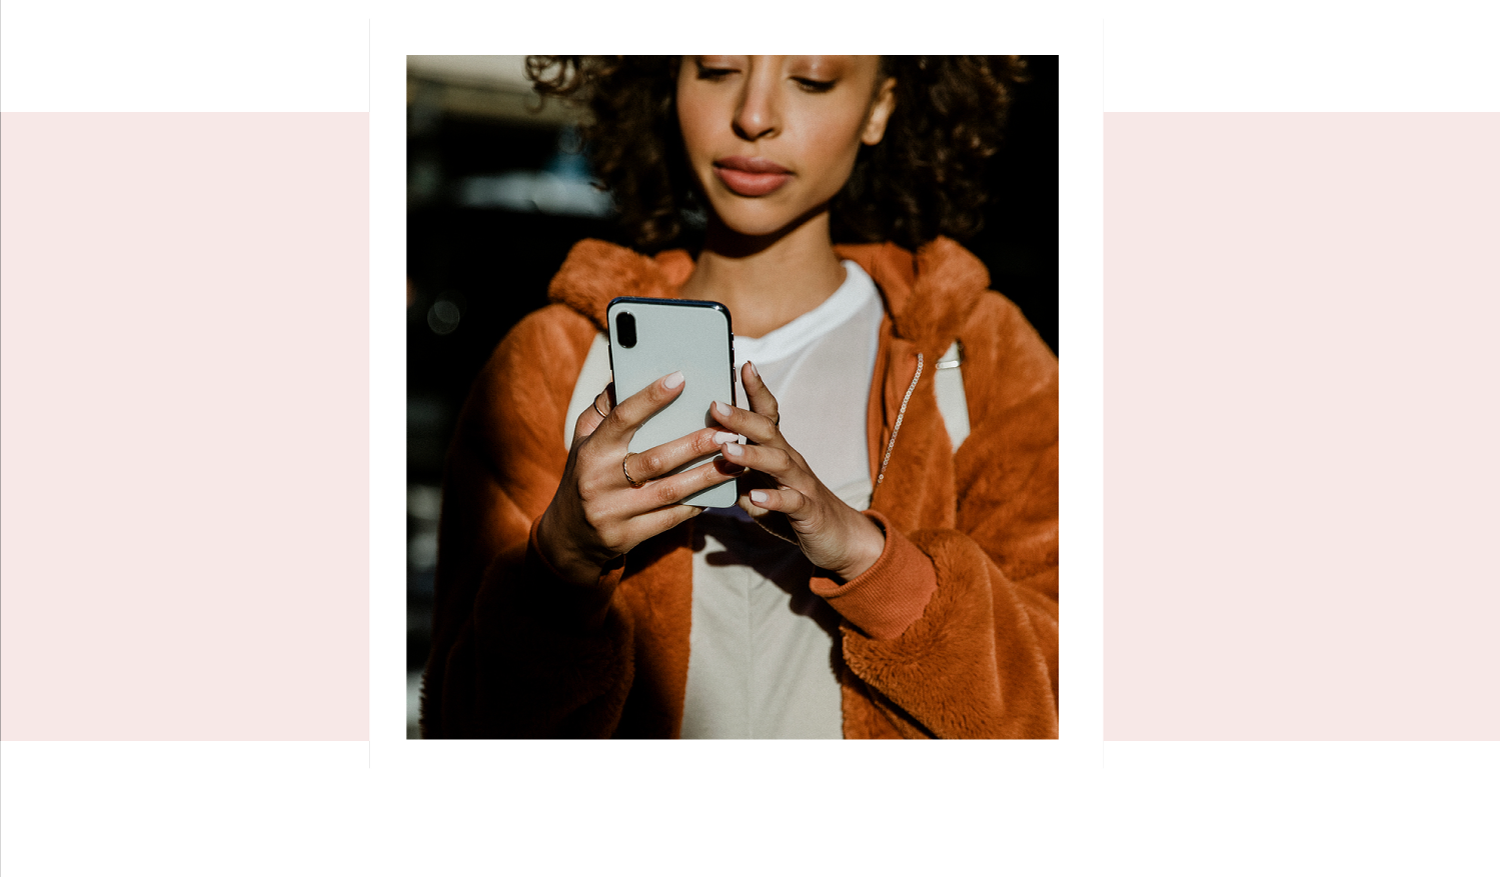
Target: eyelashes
column 811, row 86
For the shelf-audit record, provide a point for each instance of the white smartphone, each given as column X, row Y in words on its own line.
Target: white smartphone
column 650, row 338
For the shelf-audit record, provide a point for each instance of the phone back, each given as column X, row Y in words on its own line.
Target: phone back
column 670, row 335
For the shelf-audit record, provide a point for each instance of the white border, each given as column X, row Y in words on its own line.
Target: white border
column 1161, row 55
column 1291, row 56
column 182, row 57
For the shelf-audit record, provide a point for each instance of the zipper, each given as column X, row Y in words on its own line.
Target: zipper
column 891, row 445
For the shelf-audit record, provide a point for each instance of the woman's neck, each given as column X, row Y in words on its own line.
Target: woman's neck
column 767, row 283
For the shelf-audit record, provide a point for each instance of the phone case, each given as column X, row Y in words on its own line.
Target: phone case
column 695, row 337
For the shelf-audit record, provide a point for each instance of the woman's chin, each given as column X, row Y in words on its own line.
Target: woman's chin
column 755, row 221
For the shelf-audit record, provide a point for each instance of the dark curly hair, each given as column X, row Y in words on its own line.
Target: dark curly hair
column 924, row 178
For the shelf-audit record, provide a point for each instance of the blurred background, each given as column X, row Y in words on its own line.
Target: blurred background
column 498, row 192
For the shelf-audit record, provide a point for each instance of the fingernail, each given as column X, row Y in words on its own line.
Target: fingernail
column 673, row 380
column 724, row 410
column 753, row 370
column 722, row 437
column 734, row 449
column 758, row 496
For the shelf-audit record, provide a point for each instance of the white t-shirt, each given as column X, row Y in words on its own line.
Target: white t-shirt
column 763, row 646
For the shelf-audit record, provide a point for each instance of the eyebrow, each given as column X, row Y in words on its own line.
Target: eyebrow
column 816, row 64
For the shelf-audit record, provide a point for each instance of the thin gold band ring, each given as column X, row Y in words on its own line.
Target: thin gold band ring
column 625, row 467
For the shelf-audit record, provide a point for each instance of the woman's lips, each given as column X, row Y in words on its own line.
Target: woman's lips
column 751, row 177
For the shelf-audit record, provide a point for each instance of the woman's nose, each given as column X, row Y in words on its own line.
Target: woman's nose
column 758, row 114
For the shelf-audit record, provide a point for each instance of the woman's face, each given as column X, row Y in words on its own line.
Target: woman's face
column 772, row 138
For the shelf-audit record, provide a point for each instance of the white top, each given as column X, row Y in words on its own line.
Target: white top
column 763, row 646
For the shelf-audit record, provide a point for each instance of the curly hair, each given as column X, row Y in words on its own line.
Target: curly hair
column 924, row 178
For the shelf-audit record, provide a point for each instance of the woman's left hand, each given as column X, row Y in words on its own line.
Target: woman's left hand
column 793, row 501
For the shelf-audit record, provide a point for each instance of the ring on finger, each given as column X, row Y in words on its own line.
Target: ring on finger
column 625, row 467
column 596, row 408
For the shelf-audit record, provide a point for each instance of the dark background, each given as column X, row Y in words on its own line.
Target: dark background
column 477, row 263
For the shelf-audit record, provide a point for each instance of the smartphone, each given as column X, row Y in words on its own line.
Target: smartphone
column 650, row 338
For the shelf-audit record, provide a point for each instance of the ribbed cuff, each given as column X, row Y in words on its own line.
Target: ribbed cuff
column 891, row 595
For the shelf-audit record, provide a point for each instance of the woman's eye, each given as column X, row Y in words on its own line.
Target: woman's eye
column 713, row 74
column 815, row 86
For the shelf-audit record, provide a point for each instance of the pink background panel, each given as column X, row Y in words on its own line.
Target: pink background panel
column 1302, row 426
column 185, row 428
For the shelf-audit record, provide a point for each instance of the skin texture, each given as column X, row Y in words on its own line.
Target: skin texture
column 785, row 496
column 769, row 257
column 602, row 515
column 808, row 114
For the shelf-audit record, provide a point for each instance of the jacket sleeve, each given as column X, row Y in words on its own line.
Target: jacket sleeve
column 517, row 651
column 953, row 631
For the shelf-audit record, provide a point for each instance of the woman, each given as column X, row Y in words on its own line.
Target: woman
column 874, row 580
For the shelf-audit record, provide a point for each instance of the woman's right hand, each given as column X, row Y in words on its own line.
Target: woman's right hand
column 597, row 515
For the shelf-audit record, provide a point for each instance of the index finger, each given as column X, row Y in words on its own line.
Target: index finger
column 590, row 417
column 626, row 417
column 759, row 396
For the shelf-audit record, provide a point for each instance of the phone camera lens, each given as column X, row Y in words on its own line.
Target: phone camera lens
column 625, row 329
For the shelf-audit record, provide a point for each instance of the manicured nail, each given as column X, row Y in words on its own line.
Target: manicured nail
column 753, row 370
column 758, row 496
column 724, row 410
column 722, row 437
column 734, row 449
column 673, row 380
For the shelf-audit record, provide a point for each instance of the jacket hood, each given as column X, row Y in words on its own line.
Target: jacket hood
column 928, row 295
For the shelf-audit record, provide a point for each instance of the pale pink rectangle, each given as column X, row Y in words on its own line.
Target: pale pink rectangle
column 185, row 426
column 1302, row 425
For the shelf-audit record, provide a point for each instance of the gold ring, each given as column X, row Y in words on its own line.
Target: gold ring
column 596, row 408
column 625, row 467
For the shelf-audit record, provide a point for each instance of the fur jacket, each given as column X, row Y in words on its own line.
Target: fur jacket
column 953, row 631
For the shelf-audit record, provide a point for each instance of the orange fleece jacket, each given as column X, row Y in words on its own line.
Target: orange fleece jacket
column 953, row 631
